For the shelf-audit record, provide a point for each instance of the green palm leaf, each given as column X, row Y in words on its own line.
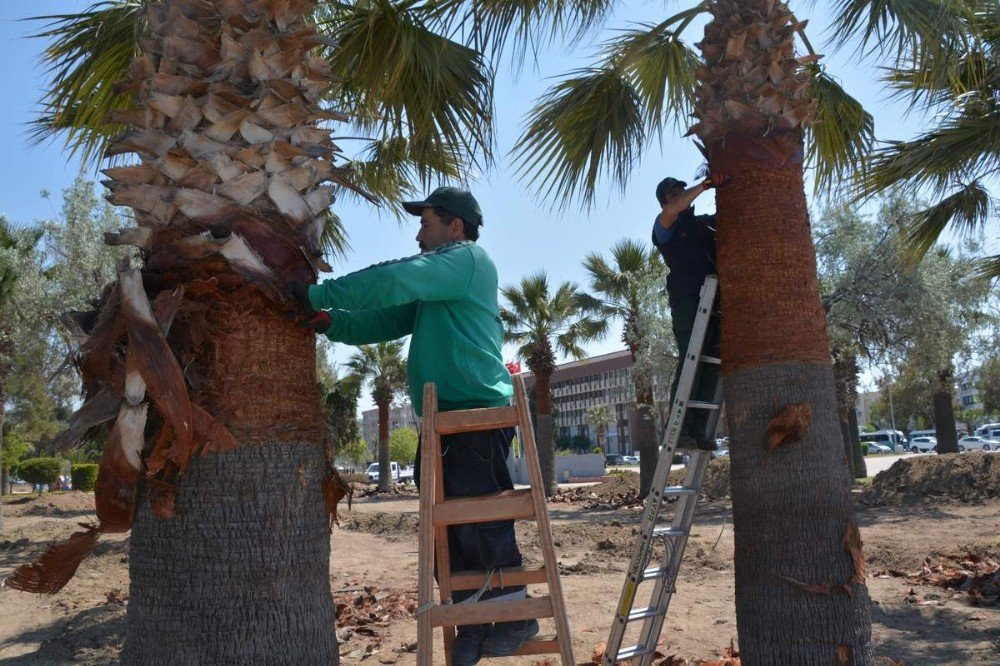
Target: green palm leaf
column 400, row 78
column 843, row 135
column 968, row 208
column 89, row 53
column 902, row 27
column 586, row 127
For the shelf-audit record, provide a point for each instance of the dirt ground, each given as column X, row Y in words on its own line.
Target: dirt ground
column 914, row 622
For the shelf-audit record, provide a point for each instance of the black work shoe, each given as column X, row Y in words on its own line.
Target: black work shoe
column 696, row 443
column 507, row 637
column 468, row 645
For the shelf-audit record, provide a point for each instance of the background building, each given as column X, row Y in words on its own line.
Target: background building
column 400, row 416
column 600, row 380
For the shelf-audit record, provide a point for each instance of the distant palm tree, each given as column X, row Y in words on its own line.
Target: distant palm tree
column 383, row 367
column 600, row 416
column 543, row 323
column 620, row 289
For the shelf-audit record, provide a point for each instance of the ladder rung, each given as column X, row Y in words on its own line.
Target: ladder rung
column 667, row 532
column 505, row 505
column 710, row 359
column 633, row 651
column 484, row 612
column 470, row 420
column 473, row 580
column 653, row 573
column 537, row 645
column 680, row 490
column 697, row 404
column 643, row 613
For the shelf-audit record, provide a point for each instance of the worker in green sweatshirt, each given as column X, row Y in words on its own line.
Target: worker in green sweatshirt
column 446, row 299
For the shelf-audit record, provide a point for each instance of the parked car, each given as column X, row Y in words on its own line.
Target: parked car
column 719, row 453
column 396, row 472
column 614, row 459
column 876, row 447
column 631, row 460
column 923, row 444
column 975, row 443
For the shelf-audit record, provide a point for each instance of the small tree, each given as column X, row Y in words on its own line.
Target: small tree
column 600, row 416
column 40, row 471
column 354, row 451
column 403, row 445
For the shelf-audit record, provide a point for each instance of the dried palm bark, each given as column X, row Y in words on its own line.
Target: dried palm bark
column 229, row 173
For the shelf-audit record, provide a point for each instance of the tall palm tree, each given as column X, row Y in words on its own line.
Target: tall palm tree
column 621, row 287
column 381, row 365
column 226, row 105
column 600, row 416
column 761, row 113
column 543, row 323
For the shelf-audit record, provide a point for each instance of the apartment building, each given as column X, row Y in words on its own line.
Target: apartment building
column 400, row 416
column 600, row 380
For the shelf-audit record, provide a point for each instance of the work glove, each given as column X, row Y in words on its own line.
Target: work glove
column 298, row 293
column 317, row 322
column 716, row 180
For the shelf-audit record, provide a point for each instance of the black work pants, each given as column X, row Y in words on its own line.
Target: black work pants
column 475, row 463
column 682, row 316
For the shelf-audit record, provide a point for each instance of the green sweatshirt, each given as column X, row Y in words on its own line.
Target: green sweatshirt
column 447, row 299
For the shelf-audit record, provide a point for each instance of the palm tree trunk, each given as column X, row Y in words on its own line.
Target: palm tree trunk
column 384, row 467
column 544, row 430
column 241, row 573
column 944, row 414
column 792, row 507
column 645, row 432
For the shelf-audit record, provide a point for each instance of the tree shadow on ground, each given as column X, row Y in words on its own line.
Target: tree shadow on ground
column 936, row 635
column 92, row 636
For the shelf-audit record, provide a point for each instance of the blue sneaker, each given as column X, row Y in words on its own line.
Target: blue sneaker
column 467, row 648
column 507, row 637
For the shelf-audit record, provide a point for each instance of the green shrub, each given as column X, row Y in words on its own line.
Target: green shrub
column 39, row 470
column 678, row 459
column 84, row 476
column 864, row 448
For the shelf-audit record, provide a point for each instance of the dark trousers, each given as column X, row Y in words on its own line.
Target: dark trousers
column 475, row 463
column 682, row 316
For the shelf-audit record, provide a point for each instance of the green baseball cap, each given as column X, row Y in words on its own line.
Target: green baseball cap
column 453, row 200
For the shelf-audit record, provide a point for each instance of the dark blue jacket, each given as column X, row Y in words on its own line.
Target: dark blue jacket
column 688, row 248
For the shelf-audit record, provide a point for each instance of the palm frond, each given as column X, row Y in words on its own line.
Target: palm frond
column 902, row 27
column 988, row 268
column 967, row 209
column 661, row 68
column 586, row 127
column 960, row 148
column 494, row 26
column 401, row 78
column 842, row 136
column 333, row 239
column 89, row 53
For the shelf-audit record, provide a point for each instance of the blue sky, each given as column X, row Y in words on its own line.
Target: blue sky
column 522, row 233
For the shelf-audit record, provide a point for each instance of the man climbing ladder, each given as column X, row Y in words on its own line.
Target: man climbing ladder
column 446, row 297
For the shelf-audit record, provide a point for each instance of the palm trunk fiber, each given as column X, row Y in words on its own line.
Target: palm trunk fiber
column 241, row 573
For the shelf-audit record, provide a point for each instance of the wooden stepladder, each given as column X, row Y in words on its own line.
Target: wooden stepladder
column 437, row 512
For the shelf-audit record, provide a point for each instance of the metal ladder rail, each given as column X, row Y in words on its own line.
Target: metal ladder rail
column 675, row 537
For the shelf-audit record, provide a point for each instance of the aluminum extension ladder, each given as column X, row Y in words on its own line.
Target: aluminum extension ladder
column 672, row 535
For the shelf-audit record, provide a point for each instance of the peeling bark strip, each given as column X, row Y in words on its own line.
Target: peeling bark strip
column 160, row 371
column 788, row 426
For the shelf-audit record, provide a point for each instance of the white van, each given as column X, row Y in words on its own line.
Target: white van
column 891, row 438
column 985, row 430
